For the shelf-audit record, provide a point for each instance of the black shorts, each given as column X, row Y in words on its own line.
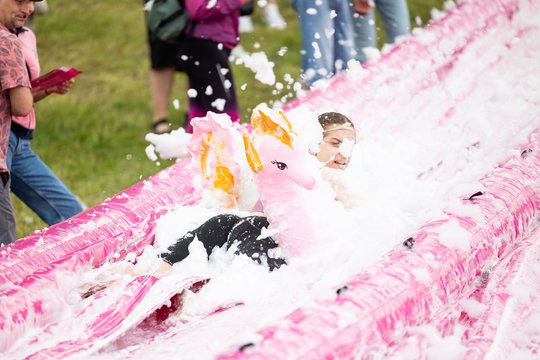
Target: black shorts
column 162, row 54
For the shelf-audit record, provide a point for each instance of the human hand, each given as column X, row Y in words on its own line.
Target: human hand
column 61, row 89
column 363, row 7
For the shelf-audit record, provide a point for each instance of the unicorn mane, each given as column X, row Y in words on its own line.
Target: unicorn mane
column 217, row 153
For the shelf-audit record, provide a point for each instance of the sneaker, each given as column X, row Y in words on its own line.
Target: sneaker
column 245, row 25
column 273, row 18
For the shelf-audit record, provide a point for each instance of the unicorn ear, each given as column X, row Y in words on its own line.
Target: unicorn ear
column 253, row 158
column 261, row 122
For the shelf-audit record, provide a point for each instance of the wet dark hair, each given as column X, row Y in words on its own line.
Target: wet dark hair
column 328, row 119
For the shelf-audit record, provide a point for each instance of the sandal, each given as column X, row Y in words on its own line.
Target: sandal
column 161, row 126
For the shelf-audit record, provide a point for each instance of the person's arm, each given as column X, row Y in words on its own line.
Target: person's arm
column 21, row 101
column 60, row 89
column 14, row 77
column 40, row 94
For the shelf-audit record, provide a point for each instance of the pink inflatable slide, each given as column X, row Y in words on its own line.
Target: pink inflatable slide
column 424, row 280
column 429, row 282
column 111, row 230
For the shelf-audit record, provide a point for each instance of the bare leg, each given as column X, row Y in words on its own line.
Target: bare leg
column 161, row 83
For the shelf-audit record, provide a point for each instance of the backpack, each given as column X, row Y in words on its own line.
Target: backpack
column 167, row 20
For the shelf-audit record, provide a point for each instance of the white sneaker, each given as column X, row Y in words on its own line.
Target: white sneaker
column 245, row 24
column 273, row 18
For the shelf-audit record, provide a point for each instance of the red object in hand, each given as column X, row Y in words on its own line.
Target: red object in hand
column 54, row 78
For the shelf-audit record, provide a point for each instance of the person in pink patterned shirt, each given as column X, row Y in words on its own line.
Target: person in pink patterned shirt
column 15, row 99
column 32, row 180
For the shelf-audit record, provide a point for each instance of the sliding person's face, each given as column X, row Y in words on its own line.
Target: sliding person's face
column 336, row 147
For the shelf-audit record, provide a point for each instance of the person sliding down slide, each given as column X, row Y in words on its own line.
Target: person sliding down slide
column 244, row 233
column 271, row 155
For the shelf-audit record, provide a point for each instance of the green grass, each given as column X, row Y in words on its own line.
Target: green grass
column 93, row 138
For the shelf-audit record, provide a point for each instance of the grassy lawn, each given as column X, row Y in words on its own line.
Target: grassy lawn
column 93, row 138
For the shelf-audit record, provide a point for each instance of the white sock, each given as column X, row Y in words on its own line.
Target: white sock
column 272, row 17
column 245, row 24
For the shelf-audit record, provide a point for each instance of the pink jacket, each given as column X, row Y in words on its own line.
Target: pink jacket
column 216, row 20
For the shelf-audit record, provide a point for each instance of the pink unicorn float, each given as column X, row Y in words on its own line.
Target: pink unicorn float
column 289, row 188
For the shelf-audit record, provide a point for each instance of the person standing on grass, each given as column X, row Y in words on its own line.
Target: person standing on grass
column 203, row 54
column 32, row 180
column 15, row 99
column 204, row 57
column 163, row 67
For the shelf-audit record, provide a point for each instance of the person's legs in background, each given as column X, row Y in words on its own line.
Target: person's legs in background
column 245, row 24
column 211, row 85
column 37, row 186
column 395, row 18
column 344, row 49
column 161, row 83
column 7, row 219
column 365, row 34
column 270, row 14
column 327, row 37
column 317, row 48
column 163, row 66
column 272, row 17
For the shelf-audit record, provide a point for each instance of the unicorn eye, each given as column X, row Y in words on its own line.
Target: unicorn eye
column 280, row 165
